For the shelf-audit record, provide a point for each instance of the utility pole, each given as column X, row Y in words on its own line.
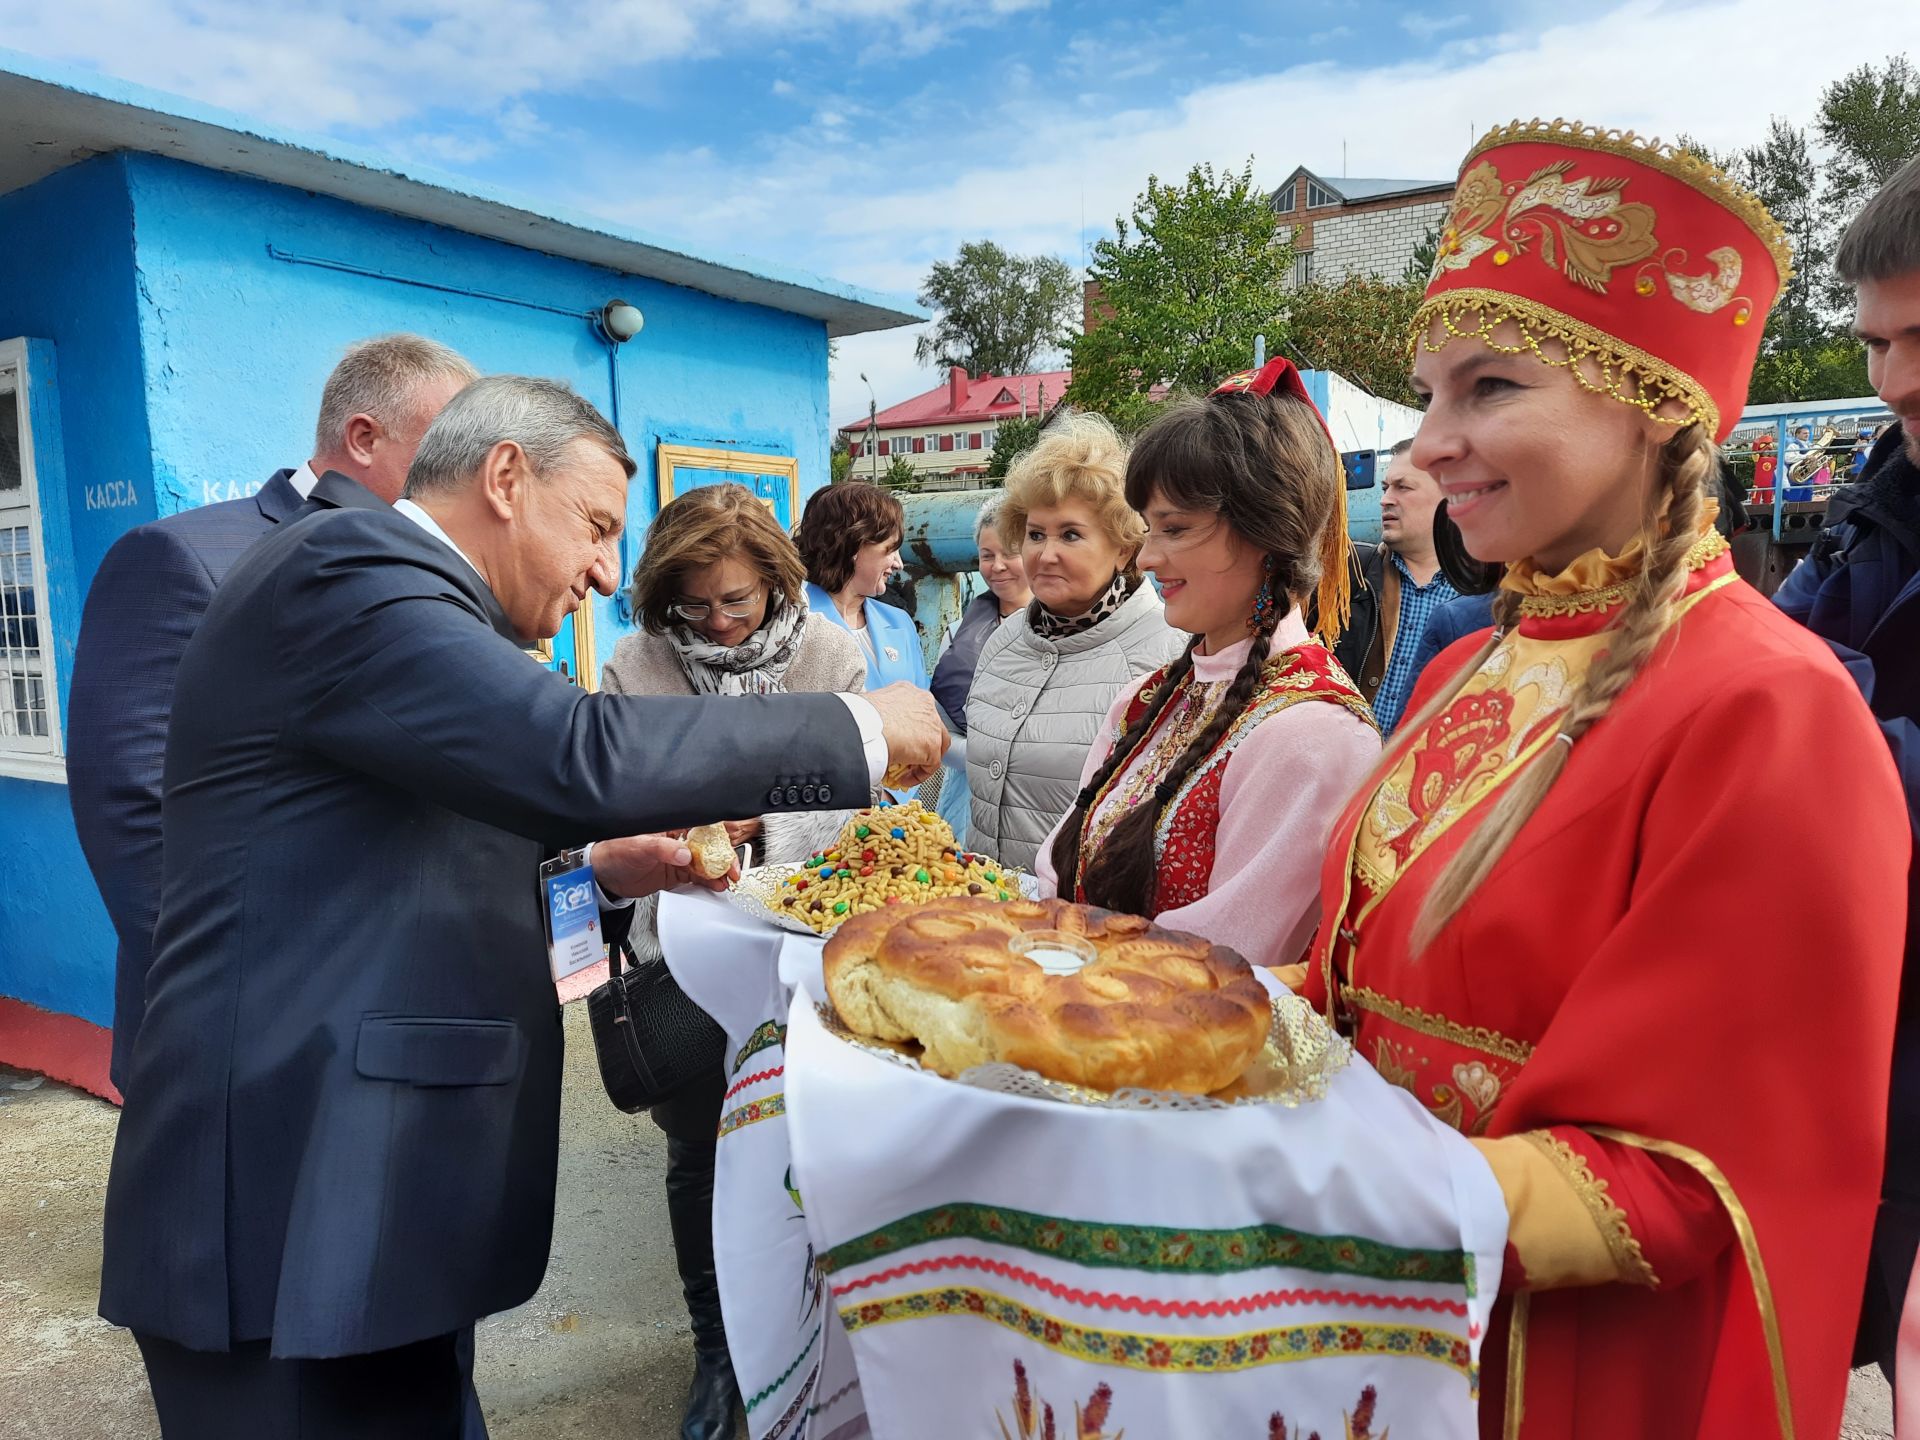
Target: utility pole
column 873, row 429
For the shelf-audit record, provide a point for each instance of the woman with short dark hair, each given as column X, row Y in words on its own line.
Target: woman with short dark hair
column 849, row 536
column 720, row 593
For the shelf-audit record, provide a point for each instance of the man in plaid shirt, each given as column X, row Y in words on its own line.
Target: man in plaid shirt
column 1404, row 585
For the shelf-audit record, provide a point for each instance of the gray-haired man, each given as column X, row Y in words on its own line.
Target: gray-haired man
column 148, row 596
column 341, row 1130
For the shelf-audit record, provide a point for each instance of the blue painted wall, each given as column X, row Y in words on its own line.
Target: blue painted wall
column 69, row 283
column 191, row 361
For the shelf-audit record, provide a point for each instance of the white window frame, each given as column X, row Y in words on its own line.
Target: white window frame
column 31, row 757
column 1319, row 197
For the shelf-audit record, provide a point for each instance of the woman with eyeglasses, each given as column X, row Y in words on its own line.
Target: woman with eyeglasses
column 720, row 593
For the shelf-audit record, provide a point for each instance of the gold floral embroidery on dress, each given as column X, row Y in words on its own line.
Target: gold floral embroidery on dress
column 1541, row 602
column 1629, row 1261
column 1474, row 1037
column 1486, row 732
column 1474, row 1081
column 1583, row 227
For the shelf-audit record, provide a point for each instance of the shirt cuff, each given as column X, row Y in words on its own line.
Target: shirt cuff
column 873, row 736
column 607, row 902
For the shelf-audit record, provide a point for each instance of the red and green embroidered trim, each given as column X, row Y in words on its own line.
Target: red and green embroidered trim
column 1148, row 1305
column 1172, row 1353
column 765, row 1038
column 752, row 1114
column 1158, row 1249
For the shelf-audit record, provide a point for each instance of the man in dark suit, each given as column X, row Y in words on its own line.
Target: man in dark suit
column 147, row 600
column 341, row 1130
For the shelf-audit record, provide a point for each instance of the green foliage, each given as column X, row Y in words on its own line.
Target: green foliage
column 839, row 465
column 1010, row 438
column 998, row 313
column 1782, row 172
column 1190, row 279
column 1420, row 267
column 1831, row 369
column 1870, row 119
column 900, row 474
column 1358, row 328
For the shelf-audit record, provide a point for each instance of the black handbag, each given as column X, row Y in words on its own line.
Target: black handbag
column 649, row 1038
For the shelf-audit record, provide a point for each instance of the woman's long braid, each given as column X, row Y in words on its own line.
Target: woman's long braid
column 1122, row 874
column 1672, row 529
column 1066, row 844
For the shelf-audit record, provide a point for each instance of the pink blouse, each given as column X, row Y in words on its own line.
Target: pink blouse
column 1282, row 789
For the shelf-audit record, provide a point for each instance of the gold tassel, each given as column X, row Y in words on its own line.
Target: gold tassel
column 1333, row 604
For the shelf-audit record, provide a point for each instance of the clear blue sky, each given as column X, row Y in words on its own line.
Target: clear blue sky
column 867, row 138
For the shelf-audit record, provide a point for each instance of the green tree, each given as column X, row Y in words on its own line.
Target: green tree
column 1831, row 369
column 1187, row 282
column 1420, row 268
column 1358, row 328
column 1870, row 119
column 900, row 475
column 997, row 312
column 839, row 465
column 1010, row 438
column 1782, row 171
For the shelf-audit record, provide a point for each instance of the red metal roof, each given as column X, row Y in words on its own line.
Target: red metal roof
column 963, row 398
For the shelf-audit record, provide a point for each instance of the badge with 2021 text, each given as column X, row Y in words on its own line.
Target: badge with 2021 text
column 572, row 905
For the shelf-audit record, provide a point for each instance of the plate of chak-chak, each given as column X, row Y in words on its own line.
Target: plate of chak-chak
column 893, row 856
column 1065, row 1002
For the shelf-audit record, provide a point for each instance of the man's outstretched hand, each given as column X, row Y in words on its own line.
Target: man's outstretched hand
column 915, row 737
column 647, row 864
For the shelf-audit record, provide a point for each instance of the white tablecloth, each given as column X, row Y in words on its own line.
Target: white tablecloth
column 989, row 1257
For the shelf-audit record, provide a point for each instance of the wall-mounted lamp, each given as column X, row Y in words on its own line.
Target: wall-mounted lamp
column 619, row 321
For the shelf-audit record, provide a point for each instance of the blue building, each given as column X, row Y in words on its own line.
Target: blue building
column 177, row 284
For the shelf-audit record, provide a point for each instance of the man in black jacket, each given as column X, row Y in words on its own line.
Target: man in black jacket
column 1860, row 589
column 341, row 1131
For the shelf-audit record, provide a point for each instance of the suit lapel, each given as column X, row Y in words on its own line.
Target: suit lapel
column 339, row 492
column 277, row 498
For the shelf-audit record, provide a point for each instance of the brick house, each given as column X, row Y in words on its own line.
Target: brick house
column 1355, row 227
column 948, row 431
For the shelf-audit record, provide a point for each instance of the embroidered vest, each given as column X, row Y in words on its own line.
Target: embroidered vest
column 1183, row 838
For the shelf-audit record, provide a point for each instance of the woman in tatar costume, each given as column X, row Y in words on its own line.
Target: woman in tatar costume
column 1207, row 799
column 1537, row 915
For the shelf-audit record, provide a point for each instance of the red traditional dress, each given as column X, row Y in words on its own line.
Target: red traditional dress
column 1237, row 846
column 1698, row 1064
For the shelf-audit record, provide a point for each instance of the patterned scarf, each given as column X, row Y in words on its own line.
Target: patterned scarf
column 1049, row 626
column 756, row 666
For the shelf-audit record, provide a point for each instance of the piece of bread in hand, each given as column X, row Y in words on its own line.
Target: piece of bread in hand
column 713, row 856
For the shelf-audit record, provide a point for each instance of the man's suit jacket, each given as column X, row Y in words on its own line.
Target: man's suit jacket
column 147, row 599
column 341, row 1125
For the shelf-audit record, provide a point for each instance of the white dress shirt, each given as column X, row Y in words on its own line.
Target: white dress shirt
column 873, row 740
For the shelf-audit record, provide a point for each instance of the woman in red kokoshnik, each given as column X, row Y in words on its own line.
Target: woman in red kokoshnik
column 1207, row 801
column 1537, row 916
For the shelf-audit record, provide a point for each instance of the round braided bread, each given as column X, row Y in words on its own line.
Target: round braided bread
column 1153, row 1008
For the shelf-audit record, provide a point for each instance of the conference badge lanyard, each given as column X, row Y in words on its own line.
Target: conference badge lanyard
column 572, row 905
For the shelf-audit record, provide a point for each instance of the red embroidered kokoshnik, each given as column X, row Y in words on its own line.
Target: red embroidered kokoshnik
column 1185, row 837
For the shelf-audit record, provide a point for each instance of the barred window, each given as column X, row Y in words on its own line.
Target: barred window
column 29, row 717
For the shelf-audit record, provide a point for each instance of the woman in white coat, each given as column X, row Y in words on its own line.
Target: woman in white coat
column 1048, row 675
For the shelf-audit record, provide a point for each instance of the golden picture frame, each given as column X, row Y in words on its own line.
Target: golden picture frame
column 670, row 460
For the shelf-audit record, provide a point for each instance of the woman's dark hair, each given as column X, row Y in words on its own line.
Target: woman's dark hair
column 1265, row 465
column 837, row 522
column 1466, row 574
column 714, row 522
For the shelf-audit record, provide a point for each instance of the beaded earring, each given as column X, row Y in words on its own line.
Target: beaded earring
column 1263, row 602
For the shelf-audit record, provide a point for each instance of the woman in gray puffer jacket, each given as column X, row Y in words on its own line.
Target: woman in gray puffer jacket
column 721, row 594
column 1047, row 677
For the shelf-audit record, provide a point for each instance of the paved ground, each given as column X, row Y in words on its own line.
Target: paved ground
column 601, row 1353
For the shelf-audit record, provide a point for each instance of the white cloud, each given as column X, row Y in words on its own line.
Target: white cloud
column 365, row 63
column 783, row 88
column 1425, row 27
column 1338, row 32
